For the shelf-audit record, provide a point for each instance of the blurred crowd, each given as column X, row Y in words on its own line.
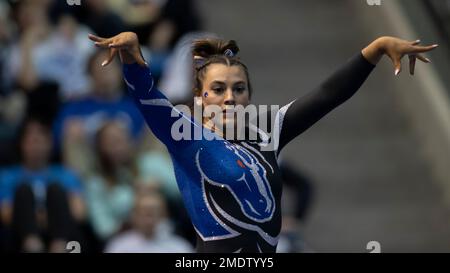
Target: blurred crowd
column 77, row 162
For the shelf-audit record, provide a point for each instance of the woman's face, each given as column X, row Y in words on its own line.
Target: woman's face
column 149, row 211
column 226, row 87
column 115, row 143
column 36, row 144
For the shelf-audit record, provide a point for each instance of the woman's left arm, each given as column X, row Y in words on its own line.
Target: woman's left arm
column 299, row 115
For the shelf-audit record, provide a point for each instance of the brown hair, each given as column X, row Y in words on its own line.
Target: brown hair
column 214, row 51
column 105, row 166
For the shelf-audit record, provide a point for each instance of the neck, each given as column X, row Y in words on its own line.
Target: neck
column 34, row 165
column 104, row 93
column 239, row 132
column 148, row 234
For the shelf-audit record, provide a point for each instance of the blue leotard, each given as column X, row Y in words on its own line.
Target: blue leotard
column 232, row 188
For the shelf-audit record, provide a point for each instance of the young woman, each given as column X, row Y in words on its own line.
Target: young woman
column 109, row 191
column 232, row 188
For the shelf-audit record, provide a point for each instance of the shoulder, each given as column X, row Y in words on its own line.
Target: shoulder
column 122, row 241
column 65, row 176
column 95, row 183
column 74, row 104
column 179, row 244
column 127, row 102
column 61, row 170
column 10, row 174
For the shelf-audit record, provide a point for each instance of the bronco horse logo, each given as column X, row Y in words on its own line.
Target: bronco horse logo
column 255, row 198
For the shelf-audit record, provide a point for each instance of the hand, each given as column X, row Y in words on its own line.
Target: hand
column 125, row 43
column 396, row 49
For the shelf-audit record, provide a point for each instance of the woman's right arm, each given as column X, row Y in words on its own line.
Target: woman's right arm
column 158, row 112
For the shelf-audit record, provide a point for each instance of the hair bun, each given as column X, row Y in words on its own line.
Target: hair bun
column 206, row 48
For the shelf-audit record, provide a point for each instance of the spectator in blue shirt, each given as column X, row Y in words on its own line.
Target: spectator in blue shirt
column 78, row 121
column 41, row 202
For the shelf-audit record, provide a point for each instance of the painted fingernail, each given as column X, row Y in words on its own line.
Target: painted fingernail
column 397, row 71
column 104, row 63
column 428, row 60
column 436, row 45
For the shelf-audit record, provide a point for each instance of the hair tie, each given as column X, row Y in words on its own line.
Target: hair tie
column 199, row 61
column 228, row 52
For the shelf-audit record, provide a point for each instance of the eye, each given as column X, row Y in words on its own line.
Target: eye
column 239, row 89
column 217, row 89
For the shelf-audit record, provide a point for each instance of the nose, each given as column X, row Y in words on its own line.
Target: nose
column 229, row 97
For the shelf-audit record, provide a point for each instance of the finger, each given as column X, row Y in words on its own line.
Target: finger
column 398, row 66
column 139, row 59
column 94, row 38
column 104, row 43
column 412, row 64
column 117, row 44
column 421, row 49
column 416, row 42
column 112, row 54
column 423, row 59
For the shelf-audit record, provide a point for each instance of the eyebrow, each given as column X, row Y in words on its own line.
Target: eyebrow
column 223, row 83
column 217, row 82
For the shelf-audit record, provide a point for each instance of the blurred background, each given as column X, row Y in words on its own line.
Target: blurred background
column 77, row 162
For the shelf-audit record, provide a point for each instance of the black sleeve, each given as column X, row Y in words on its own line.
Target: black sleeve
column 302, row 113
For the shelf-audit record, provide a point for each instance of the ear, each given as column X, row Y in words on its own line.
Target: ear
column 197, row 92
